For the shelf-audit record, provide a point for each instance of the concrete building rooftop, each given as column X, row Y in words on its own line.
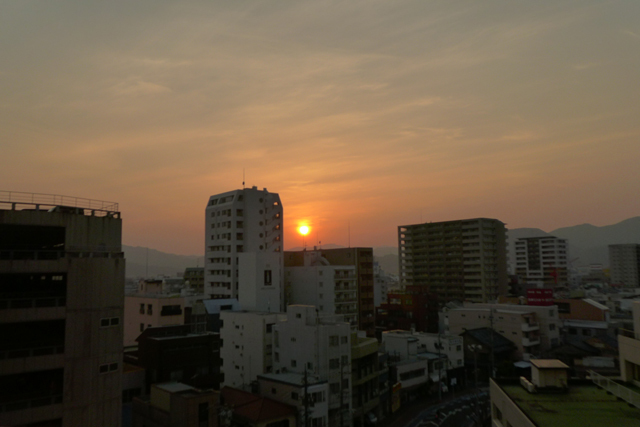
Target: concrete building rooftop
column 548, row 364
column 581, row 406
column 16, row 200
column 292, row 379
column 174, row 387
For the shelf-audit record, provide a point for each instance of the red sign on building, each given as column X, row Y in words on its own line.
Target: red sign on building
column 537, row 296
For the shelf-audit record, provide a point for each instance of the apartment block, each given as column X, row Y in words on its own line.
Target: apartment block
column 174, row 404
column 533, row 329
column 307, row 393
column 61, row 308
column 457, row 260
column 542, row 261
column 412, row 365
column 362, row 260
column 408, row 308
column 331, row 289
column 247, row 346
column 244, row 244
column 624, row 261
column 321, row 347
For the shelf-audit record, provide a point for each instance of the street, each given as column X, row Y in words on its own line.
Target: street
column 469, row 410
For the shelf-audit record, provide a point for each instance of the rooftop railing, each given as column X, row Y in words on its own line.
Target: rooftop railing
column 618, row 390
column 19, row 200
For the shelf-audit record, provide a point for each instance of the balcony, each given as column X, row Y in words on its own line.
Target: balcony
column 528, row 342
column 531, row 326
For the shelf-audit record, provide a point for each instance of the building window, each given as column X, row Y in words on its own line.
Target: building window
column 171, row 310
column 334, row 388
column 333, row 341
column 334, row 363
column 294, row 395
column 276, row 356
column 141, row 308
column 294, row 363
column 344, row 340
column 345, row 360
column 141, row 327
column 104, row 323
column 267, row 278
column 149, row 309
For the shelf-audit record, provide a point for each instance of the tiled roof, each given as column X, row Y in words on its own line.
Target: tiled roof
column 253, row 407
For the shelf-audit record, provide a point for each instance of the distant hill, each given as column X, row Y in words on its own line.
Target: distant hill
column 160, row 263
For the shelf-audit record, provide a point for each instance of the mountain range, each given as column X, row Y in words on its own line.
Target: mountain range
column 588, row 244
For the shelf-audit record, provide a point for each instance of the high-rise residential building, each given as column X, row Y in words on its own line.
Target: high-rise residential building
column 625, row 265
column 244, row 247
column 362, row 260
column 457, row 260
column 542, row 261
column 331, row 289
column 61, row 306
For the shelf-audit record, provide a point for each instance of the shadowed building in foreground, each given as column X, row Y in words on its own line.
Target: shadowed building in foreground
column 61, row 307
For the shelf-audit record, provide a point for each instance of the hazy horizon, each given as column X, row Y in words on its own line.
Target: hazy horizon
column 362, row 115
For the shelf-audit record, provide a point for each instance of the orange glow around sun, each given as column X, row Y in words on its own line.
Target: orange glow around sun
column 304, row 230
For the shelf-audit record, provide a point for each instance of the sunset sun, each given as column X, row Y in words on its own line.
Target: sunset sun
column 303, row 229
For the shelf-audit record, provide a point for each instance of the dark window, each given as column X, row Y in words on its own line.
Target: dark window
column 149, row 309
column 171, row 310
column 115, row 321
column 104, row 323
column 267, row 278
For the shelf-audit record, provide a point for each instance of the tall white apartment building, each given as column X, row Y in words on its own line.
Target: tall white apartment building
column 332, row 289
column 247, row 350
column 542, row 261
column 321, row 346
column 624, row 261
column 244, row 244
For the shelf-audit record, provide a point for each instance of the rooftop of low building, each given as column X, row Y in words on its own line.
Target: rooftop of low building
column 583, row 405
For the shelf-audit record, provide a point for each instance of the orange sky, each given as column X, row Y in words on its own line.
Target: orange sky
column 368, row 113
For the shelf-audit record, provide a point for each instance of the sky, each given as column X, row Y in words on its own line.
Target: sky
column 362, row 115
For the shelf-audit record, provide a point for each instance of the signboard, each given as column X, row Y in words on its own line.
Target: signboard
column 541, row 297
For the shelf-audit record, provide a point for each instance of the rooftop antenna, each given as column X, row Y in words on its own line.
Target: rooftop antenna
column 349, row 232
column 243, row 178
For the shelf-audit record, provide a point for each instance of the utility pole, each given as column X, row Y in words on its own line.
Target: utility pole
column 439, row 347
column 492, row 374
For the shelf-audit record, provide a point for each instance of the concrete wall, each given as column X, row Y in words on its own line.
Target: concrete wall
column 510, row 413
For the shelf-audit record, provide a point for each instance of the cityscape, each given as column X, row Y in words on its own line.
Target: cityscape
column 263, row 336
column 319, row 213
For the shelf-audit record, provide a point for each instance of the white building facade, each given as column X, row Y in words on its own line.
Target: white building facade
column 321, row 346
column 331, row 289
column 244, row 244
column 247, row 349
column 542, row 261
